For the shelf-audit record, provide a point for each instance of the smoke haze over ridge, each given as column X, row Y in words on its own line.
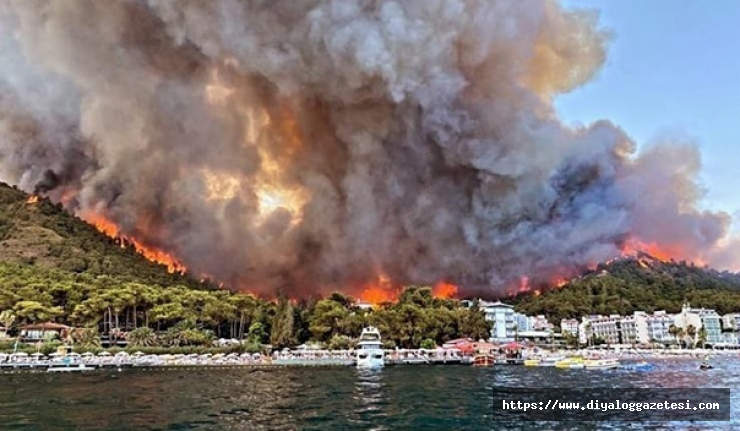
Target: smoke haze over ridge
column 313, row 145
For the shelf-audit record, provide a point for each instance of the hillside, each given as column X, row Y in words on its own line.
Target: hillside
column 43, row 234
column 639, row 282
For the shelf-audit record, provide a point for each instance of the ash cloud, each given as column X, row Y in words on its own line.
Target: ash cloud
column 312, row 145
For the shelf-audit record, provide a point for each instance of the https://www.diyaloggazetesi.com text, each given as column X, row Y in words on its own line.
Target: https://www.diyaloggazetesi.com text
column 612, row 404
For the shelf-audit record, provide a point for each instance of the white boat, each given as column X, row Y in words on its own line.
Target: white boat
column 601, row 364
column 549, row 361
column 66, row 368
column 370, row 352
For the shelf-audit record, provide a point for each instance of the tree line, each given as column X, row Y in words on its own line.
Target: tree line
column 628, row 285
column 152, row 315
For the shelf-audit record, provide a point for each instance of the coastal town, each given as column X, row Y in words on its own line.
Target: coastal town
column 514, row 339
column 689, row 328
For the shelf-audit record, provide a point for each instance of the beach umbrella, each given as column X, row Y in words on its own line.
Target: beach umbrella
column 246, row 355
column 88, row 354
column 106, row 353
column 74, row 354
column 20, row 354
column 56, row 354
column 122, row 354
column 38, row 355
column 138, row 353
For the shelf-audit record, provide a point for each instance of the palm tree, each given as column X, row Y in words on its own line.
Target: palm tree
column 142, row 337
column 681, row 335
column 673, row 330
column 7, row 318
column 691, row 332
column 703, row 337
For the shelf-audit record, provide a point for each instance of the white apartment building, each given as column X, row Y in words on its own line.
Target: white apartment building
column 569, row 326
column 731, row 322
column 701, row 318
column 608, row 328
column 522, row 322
column 658, row 326
column 502, row 317
column 712, row 324
column 540, row 323
column 639, row 328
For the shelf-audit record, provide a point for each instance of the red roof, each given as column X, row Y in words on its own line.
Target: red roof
column 46, row 326
column 512, row 346
column 459, row 341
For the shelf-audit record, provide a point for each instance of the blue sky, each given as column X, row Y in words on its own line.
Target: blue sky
column 673, row 69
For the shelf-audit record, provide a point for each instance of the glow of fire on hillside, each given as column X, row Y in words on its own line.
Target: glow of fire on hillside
column 150, row 253
column 32, row 199
column 384, row 290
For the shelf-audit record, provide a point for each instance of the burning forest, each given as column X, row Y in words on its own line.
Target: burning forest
column 353, row 145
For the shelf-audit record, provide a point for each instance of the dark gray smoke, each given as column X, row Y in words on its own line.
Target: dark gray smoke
column 313, row 145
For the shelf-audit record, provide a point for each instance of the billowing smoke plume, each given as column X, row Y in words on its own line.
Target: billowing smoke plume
column 313, row 145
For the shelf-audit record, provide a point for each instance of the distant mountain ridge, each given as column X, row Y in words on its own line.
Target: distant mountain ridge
column 633, row 283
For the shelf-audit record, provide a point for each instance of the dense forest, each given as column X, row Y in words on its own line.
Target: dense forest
column 635, row 283
column 175, row 316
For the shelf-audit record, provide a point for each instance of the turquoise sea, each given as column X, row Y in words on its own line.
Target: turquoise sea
column 323, row 398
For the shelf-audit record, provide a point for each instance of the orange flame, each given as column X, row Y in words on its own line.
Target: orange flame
column 444, row 290
column 32, row 199
column 379, row 291
column 523, row 284
column 151, row 253
column 560, row 282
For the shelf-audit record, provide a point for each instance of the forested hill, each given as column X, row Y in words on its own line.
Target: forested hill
column 639, row 282
column 43, row 234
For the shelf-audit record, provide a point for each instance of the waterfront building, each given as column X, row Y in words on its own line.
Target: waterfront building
column 638, row 328
column 701, row 318
column 501, row 317
column 584, row 331
column 731, row 322
column 522, row 322
column 569, row 326
column 607, row 328
column 540, row 323
column 711, row 322
column 658, row 326
column 730, row 338
column 43, row 331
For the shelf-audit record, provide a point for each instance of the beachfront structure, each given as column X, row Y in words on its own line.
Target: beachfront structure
column 731, row 322
column 3, row 333
column 711, row 322
column 43, row 331
column 502, row 318
column 584, row 331
column 569, row 326
column 658, row 327
column 607, row 328
column 730, row 339
column 638, row 328
column 523, row 323
column 540, row 323
column 700, row 318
